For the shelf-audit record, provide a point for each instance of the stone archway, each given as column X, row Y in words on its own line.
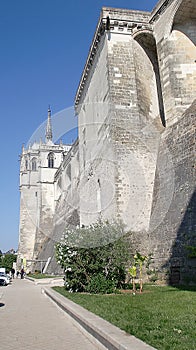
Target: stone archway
column 147, row 44
column 184, row 19
column 183, row 34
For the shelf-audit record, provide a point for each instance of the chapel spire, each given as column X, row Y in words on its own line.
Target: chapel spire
column 49, row 126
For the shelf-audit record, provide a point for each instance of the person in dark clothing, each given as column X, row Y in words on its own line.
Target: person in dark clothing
column 12, row 272
column 22, row 273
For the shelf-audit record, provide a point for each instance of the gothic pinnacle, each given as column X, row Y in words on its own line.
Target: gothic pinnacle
column 49, row 126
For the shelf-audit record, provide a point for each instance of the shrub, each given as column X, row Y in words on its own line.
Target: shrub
column 100, row 284
column 94, row 255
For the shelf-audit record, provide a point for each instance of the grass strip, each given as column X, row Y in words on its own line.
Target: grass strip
column 41, row 275
column 164, row 317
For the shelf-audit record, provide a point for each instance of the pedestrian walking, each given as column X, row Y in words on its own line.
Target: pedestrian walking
column 22, row 274
column 13, row 272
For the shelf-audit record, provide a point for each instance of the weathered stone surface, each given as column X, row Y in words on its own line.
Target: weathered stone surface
column 135, row 156
column 173, row 220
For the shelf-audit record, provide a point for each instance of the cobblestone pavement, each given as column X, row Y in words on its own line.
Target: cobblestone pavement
column 30, row 321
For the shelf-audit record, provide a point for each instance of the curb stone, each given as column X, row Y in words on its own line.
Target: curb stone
column 54, row 281
column 107, row 334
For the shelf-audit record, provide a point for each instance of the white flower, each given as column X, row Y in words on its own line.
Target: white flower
column 68, row 269
column 179, row 331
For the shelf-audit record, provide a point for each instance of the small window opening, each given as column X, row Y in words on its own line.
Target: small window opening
column 26, row 164
column 51, row 160
column 34, row 164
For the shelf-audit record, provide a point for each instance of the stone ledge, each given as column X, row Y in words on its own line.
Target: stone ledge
column 107, row 334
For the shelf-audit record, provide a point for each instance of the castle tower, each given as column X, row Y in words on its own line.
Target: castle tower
column 38, row 165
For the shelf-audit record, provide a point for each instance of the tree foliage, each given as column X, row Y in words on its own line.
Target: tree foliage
column 7, row 261
column 94, row 258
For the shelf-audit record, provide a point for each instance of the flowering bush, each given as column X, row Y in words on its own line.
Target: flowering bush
column 94, row 258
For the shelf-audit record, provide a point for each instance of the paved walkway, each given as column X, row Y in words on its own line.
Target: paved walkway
column 30, row 321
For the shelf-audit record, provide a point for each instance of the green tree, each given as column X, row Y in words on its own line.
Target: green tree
column 7, row 261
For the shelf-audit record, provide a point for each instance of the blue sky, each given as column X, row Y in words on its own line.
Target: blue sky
column 44, row 45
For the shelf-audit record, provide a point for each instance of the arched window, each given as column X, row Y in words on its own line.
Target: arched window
column 51, row 160
column 34, row 164
column 26, row 164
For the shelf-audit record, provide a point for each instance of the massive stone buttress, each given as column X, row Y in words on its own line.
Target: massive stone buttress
column 120, row 120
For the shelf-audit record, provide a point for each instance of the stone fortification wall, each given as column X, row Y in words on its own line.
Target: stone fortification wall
column 172, row 225
column 151, row 84
column 173, row 220
column 97, row 169
column 67, row 193
column 117, row 151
